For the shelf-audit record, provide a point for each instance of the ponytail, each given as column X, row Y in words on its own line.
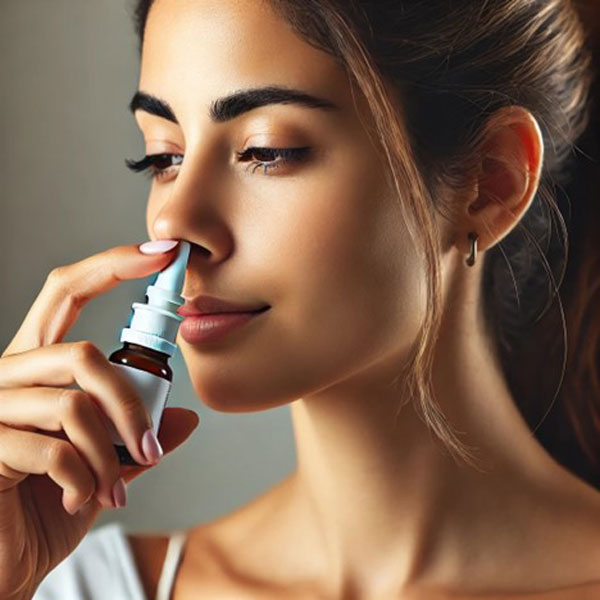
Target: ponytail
column 571, row 429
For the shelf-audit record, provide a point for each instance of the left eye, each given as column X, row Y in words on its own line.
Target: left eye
column 159, row 165
column 272, row 158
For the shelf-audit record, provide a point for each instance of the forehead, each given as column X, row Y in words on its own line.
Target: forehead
column 198, row 50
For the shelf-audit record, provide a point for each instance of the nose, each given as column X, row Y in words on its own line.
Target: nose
column 186, row 215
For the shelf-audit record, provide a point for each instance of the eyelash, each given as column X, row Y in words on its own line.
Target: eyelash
column 151, row 162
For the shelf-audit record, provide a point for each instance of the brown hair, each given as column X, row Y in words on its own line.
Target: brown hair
column 433, row 73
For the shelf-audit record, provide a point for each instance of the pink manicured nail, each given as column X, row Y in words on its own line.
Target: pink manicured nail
column 158, row 246
column 119, row 494
column 151, row 447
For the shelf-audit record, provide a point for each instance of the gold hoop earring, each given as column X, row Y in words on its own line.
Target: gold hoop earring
column 473, row 237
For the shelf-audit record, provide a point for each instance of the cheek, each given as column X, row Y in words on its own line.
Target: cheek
column 353, row 280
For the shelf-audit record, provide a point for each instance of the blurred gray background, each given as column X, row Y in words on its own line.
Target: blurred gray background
column 68, row 69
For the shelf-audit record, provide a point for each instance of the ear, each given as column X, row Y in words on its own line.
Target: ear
column 502, row 191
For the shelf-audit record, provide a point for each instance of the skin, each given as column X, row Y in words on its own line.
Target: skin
column 373, row 509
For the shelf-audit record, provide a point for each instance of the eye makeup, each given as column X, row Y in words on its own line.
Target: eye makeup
column 159, row 165
column 154, row 164
column 273, row 158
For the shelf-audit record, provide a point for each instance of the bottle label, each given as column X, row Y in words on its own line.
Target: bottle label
column 153, row 390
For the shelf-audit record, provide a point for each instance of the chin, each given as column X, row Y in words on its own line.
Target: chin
column 227, row 397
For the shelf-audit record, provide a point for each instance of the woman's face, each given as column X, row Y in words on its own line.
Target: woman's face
column 320, row 240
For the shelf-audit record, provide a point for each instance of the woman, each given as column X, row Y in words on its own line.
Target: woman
column 421, row 140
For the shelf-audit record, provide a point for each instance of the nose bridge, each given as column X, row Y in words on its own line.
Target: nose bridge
column 191, row 209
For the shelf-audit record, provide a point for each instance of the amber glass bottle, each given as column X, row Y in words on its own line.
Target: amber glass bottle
column 155, row 364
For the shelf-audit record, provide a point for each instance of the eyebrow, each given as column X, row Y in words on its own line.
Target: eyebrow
column 228, row 107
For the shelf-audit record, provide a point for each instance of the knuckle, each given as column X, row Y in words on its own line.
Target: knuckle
column 131, row 404
column 58, row 280
column 60, row 454
column 85, row 352
column 56, row 277
column 133, row 409
column 61, row 280
column 73, row 403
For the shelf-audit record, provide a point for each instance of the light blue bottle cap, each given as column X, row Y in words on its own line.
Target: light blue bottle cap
column 155, row 324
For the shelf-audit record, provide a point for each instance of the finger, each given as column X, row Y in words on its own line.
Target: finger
column 75, row 413
column 83, row 363
column 24, row 452
column 68, row 288
column 176, row 426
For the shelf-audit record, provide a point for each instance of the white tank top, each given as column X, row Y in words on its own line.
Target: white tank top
column 103, row 566
column 170, row 565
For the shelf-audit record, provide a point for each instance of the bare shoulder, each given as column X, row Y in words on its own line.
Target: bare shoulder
column 554, row 551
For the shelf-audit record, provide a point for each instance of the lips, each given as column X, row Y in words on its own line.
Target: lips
column 210, row 305
column 205, row 329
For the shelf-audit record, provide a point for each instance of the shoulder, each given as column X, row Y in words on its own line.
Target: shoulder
column 101, row 566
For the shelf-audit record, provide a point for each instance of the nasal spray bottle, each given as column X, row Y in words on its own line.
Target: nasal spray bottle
column 149, row 342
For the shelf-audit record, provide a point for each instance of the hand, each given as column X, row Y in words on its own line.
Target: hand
column 55, row 450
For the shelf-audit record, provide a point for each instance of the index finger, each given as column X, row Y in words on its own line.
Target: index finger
column 68, row 288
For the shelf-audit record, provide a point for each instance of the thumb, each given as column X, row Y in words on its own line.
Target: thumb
column 176, row 425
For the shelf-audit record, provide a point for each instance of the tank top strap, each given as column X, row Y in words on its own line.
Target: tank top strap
column 170, row 565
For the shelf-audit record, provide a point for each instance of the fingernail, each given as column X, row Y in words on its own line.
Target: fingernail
column 150, row 447
column 119, row 494
column 158, row 246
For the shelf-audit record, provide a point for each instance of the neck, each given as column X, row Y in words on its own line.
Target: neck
column 379, row 495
